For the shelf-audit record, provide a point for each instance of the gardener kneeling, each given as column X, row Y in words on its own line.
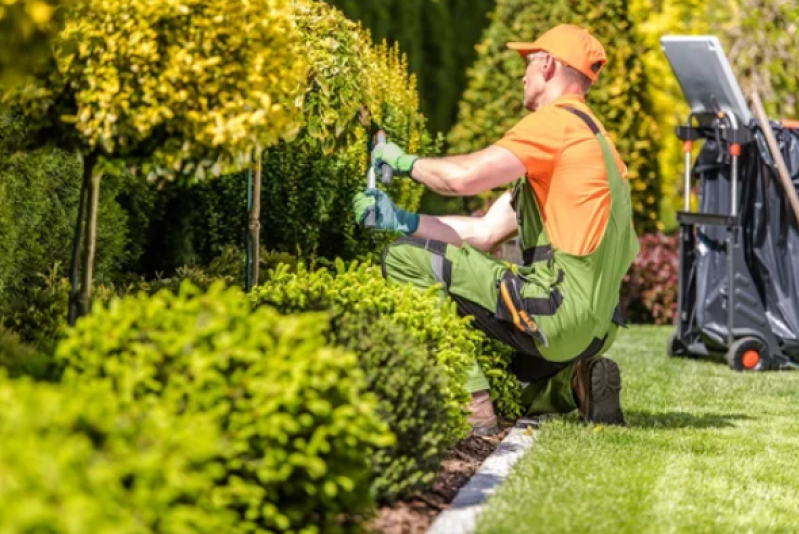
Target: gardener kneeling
column 572, row 212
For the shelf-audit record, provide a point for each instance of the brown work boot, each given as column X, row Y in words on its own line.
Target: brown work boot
column 482, row 418
column 596, row 383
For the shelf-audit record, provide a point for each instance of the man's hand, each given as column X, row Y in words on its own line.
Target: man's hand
column 387, row 215
column 393, row 156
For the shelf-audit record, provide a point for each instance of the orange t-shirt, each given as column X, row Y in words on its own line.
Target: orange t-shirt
column 567, row 172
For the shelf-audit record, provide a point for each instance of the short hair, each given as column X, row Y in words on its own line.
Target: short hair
column 575, row 76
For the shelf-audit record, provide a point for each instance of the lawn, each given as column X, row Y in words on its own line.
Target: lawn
column 705, row 450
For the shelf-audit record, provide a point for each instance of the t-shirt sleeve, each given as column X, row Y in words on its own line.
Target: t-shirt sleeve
column 537, row 140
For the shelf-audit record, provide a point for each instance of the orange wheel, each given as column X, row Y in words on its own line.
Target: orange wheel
column 748, row 354
column 750, row 359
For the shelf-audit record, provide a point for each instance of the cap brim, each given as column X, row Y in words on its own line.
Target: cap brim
column 522, row 48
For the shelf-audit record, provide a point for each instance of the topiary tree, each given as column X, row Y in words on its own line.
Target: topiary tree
column 492, row 102
column 183, row 89
column 309, row 179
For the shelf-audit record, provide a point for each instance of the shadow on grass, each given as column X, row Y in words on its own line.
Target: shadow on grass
column 673, row 420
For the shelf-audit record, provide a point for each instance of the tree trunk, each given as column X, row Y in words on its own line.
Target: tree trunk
column 91, row 244
column 74, row 274
column 255, row 222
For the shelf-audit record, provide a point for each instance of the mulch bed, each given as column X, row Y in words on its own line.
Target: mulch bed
column 415, row 515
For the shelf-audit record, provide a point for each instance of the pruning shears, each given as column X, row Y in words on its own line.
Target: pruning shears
column 374, row 133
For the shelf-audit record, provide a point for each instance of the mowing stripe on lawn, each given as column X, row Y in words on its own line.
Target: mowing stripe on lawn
column 705, row 450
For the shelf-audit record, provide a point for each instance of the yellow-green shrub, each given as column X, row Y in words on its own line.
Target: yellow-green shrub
column 492, row 102
column 299, row 427
column 75, row 459
column 452, row 341
column 309, row 180
column 174, row 87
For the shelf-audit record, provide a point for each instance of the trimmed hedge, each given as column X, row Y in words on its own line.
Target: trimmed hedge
column 299, row 427
column 492, row 103
column 410, row 387
column 451, row 340
column 75, row 460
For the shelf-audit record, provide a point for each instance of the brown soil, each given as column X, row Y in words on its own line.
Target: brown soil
column 415, row 515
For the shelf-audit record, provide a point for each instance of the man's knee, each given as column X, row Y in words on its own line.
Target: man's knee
column 421, row 262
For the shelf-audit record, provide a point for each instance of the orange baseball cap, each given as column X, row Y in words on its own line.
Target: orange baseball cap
column 572, row 45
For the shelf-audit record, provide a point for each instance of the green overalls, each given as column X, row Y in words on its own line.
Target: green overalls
column 554, row 310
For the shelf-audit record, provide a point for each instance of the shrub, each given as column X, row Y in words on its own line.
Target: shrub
column 412, row 401
column 439, row 39
column 310, row 179
column 649, row 293
column 76, row 460
column 21, row 359
column 360, row 287
column 299, row 427
column 492, row 102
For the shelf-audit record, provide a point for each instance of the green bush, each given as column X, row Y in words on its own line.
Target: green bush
column 40, row 191
column 74, row 460
column 439, row 38
column 451, row 340
column 492, row 102
column 299, row 427
column 21, row 359
column 310, row 179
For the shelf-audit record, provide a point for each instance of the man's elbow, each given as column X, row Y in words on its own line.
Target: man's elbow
column 462, row 184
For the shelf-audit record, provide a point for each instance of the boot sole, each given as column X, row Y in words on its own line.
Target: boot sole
column 606, row 393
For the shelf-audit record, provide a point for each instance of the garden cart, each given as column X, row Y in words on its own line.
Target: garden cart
column 738, row 288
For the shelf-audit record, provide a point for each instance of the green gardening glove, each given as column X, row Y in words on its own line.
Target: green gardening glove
column 388, row 216
column 394, row 156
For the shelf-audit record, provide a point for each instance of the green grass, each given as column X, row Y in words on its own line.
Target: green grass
column 705, row 450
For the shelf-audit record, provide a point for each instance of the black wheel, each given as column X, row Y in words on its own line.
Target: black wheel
column 675, row 347
column 748, row 354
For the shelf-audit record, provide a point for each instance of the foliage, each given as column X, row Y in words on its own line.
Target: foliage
column 492, row 102
column 40, row 191
column 178, row 88
column 310, row 179
column 76, row 460
column 299, row 427
column 437, row 36
column 649, row 292
column 26, row 28
column 21, row 359
column 360, row 287
column 654, row 19
column 400, row 371
column 410, row 387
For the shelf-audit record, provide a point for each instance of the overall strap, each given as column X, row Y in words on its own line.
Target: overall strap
column 586, row 119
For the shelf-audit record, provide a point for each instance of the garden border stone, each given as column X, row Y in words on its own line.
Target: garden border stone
column 461, row 516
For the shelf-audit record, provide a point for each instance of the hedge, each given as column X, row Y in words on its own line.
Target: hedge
column 492, row 102
column 299, row 427
column 411, row 390
column 309, row 181
column 74, row 459
column 452, row 341
column 439, row 38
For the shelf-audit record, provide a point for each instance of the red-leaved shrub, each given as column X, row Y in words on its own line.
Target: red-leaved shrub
column 649, row 293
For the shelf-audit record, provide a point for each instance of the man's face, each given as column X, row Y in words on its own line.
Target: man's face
column 535, row 78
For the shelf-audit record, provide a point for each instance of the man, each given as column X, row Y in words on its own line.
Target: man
column 572, row 212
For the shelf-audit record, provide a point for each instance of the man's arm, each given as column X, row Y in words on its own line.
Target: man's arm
column 483, row 233
column 468, row 174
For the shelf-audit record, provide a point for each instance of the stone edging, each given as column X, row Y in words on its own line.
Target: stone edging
column 461, row 516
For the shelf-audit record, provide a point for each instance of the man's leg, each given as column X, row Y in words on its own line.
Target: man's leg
column 423, row 264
